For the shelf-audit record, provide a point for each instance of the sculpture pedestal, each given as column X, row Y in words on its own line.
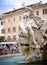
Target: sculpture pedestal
column 31, row 52
column 26, row 52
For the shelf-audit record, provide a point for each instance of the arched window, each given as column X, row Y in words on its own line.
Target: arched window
column 14, row 29
column 8, row 30
column 14, row 38
column 9, row 38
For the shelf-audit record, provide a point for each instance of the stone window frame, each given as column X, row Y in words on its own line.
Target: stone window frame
column 2, row 30
column 14, row 29
column 44, row 11
column 14, row 19
column 14, row 37
column 9, row 30
column 37, row 13
column 2, row 23
column 9, row 38
column 20, row 17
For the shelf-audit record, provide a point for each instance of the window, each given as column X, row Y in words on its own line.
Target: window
column 14, row 29
column 8, row 20
column 8, row 30
column 19, row 17
column 37, row 12
column 44, row 11
column 14, row 19
column 8, row 38
column 2, row 30
column 14, row 38
column 1, row 22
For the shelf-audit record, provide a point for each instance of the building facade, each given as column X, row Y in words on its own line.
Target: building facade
column 40, row 10
column 10, row 27
column 11, row 24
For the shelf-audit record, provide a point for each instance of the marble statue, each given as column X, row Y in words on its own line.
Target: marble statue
column 30, row 24
column 36, row 29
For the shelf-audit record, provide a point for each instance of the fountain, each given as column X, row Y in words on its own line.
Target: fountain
column 32, row 38
column 31, row 35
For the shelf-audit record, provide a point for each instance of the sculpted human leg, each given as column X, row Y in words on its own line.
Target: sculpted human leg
column 32, row 34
